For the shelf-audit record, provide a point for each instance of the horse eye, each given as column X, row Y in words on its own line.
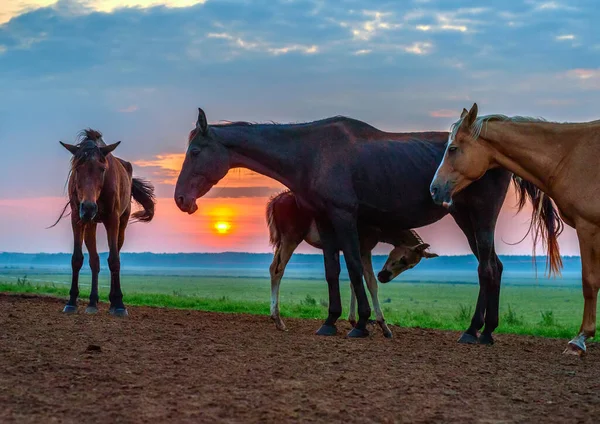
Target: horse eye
column 195, row 152
column 452, row 148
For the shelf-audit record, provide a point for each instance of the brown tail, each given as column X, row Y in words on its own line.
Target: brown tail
column 274, row 231
column 142, row 192
column 545, row 222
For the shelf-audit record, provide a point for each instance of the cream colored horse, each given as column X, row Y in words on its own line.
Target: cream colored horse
column 559, row 158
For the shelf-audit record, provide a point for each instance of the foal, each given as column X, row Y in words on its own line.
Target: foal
column 100, row 190
column 290, row 224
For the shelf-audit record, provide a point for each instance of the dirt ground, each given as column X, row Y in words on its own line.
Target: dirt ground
column 165, row 365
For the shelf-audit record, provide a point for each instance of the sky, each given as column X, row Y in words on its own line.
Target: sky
column 137, row 70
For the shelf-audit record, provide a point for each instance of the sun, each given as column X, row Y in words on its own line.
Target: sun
column 222, row 227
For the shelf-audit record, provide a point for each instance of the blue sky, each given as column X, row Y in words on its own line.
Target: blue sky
column 139, row 73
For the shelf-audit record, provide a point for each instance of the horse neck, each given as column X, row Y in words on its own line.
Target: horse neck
column 531, row 150
column 270, row 150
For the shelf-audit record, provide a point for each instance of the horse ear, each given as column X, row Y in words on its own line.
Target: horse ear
column 202, row 123
column 429, row 255
column 109, row 149
column 472, row 115
column 464, row 113
column 420, row 248
column 71, row 148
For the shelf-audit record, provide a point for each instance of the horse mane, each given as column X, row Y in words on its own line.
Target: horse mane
column 246, row 124
column 480, row 121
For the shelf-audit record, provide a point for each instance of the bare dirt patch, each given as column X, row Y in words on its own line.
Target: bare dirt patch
column 166, row 365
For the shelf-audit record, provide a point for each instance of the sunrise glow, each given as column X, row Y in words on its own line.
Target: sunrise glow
column 222, row 227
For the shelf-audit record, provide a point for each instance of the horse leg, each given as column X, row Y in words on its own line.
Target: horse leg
column 115, row 238
column 470, row 335
column 90, row 243
column 589, row 244
column 373, row 290
column 283, row 253
column 352, row 312
column 490, row 276
column 331, row 258
column 346, row 232
column 76, row 263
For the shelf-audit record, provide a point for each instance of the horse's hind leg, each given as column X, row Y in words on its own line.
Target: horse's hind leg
column 283, row 253
column 373, row 290
column 589, row 244
column 76, row 263
column 352, row 312
column 90, row 243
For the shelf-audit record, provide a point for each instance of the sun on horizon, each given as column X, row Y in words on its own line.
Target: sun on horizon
column 222, row 227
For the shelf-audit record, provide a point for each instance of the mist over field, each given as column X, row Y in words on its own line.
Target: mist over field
column 451, row 269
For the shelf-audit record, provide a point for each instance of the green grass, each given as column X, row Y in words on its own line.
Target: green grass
column 533, row 310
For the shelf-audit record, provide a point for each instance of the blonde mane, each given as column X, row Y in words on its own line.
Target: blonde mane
column 480, row 121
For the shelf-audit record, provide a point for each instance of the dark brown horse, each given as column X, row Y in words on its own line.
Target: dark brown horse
column 345, row 172
column 100, row 189
column 290, row 224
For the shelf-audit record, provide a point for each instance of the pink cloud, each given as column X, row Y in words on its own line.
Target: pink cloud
column 443, row 113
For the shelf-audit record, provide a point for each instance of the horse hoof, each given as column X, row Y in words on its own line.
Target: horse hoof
column 352, row 322
column 69, row 309
column 119, row 312
column 467, row 338
column 327, row 330
column 388, row 334
column 575, row 348
column 355, row 333
column 279, row 324
column 486, row 339
column 91, row 310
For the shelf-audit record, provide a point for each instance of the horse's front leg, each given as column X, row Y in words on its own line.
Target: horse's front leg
column 331, row 259
column 76, row 262
column 373, row 290
column 114, row 235
column 346, row 235
column 90, row 242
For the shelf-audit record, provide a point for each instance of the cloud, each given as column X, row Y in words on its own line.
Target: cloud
column 458, row 20
column 418, row 48
column 443, row 113
column 377, row 23
column 262, row 46
column 12, row 8
column 551, row 6
column 129, row 109
column 583, row 74
column 564, row 37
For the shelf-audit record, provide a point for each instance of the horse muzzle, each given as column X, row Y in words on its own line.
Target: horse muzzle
column 87, row 211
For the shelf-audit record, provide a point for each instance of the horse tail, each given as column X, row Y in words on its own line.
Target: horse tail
column 545, row 222
column 142, row 192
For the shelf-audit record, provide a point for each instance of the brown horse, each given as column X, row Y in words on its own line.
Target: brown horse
column 290, row 224
column 559, row 158
column 100, row 189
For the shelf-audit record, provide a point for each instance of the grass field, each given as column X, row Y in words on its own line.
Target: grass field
column 535, row 310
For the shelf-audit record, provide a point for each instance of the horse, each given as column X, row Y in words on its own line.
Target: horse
column 289, row 225
column 100, row 189
column 560, row 159
column 344, row 170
